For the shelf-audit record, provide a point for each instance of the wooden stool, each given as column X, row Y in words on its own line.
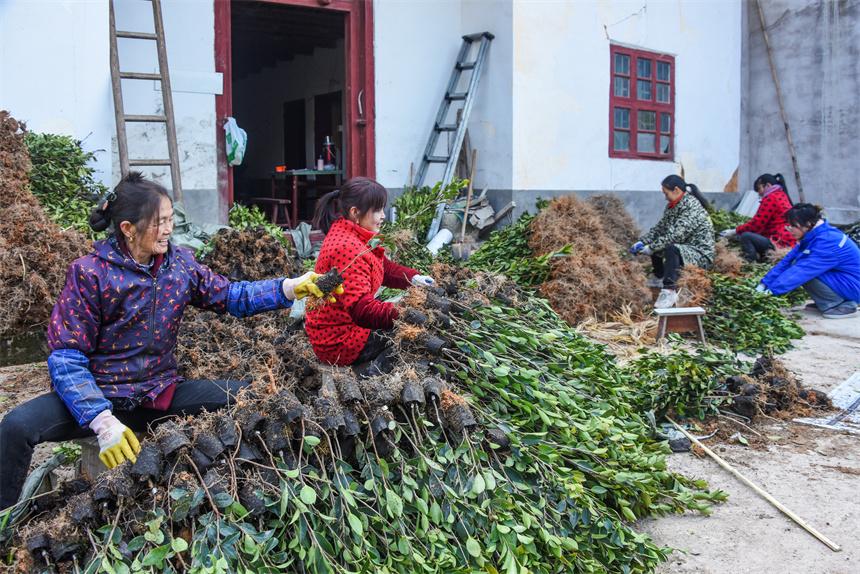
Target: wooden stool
column 279, row 211
column 680, row 320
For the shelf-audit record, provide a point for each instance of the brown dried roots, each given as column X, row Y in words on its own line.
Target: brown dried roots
column 595, row 280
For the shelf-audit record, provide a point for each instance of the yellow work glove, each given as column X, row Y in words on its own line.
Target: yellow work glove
column 301, row 287
column 117, row 442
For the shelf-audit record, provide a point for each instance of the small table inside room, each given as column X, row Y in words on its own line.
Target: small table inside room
column 312, row 183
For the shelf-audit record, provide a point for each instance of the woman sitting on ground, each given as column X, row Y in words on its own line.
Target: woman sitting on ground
column 767, row 229
column 683, row 236
column 113, row 331
column 825, row 262
column 353, row 330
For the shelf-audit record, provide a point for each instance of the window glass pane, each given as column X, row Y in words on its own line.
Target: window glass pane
column 665, row 144
column 622, row 118
column 643, row 67
column 663, row 93
column 643, row 89
column 622, row 64
column 621, row 141
column 663, row 71
column 665, row 123
column 622, row 87
column 647, row 120
column 645, row 143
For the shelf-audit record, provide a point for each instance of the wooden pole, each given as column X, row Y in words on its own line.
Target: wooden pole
column 782, row 113
column 469, row 193
column 761, row 492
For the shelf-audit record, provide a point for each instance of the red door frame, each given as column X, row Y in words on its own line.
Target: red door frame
column 359, row 92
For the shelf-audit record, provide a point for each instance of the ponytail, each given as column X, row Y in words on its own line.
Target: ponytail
column 362, row 193
column 673, row 181
column 768, row 179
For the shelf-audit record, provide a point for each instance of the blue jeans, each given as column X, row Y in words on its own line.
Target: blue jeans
column 826, row 298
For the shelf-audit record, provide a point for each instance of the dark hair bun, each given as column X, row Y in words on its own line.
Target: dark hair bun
column 134, row 177
column 99, row 219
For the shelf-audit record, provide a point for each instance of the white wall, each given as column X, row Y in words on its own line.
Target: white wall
column 415, row 45
column 258, row 104
column 54, row 71
column 190, row 38
column 561, row 91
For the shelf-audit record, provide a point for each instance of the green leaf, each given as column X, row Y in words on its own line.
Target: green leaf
column 393, row 504
column 179, row 545
column 355, row 524
column 478, row 485
column 308, row 495
column 473, row 547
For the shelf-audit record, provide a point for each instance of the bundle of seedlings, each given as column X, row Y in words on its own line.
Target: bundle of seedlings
column 514, row 448
column 771, row 389
column 597, row 278
column 741, row 319
column 34, row 251
column 415, row 208
column 695, row 287
column 250, row 254
column 507, row 252
column 725, row 219
column 617, row 222
column 728, row 260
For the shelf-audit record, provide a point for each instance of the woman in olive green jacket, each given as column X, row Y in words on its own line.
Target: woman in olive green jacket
column 683, row 236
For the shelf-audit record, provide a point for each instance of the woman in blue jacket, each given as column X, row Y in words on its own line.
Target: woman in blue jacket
column 825, row 262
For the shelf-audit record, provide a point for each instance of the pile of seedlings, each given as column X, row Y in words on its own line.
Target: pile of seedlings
column 250, row 254
column 617, row 222
column 501, row 440
column 34, row 251
column 597, row 278
column 738, row 317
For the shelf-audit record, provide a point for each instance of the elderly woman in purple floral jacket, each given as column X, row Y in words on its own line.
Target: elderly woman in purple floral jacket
column 113, row 330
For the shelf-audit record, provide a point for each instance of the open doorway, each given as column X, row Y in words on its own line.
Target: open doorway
column 289, row 77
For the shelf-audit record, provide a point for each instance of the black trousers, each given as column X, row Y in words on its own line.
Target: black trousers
column 375, row 357
column 754, row 246
column 46, row 419
column 667, row 265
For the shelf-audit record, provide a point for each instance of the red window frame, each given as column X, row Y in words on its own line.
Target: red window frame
column 635, row 106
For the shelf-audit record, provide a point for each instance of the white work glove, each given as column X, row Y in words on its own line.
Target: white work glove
column 636, row 248
column 761, row 288
column 646, row 250
column 728, row 233
column 423, row 281
column 117, row 442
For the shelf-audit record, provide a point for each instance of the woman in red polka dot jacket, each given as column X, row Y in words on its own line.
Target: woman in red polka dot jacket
column 767, row 229
column 352, row 330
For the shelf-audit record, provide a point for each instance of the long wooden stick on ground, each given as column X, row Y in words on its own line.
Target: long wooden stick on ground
column 761, row 492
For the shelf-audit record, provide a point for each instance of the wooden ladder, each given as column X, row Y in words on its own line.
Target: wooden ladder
column 163, row 76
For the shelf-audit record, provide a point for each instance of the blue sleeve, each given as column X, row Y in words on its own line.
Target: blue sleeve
column 246, row 298
column 804, row 269
column 772, row 275
column 74, row 383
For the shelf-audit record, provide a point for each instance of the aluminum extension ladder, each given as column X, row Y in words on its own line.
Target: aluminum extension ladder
column 167, row 97
column 467, row 97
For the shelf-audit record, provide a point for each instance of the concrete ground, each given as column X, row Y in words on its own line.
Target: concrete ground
column 814, row 472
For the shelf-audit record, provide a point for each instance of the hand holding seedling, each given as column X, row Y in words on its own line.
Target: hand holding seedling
column 311, row 284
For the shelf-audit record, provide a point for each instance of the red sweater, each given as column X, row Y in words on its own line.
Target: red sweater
column 769, row 220
column 339, row 331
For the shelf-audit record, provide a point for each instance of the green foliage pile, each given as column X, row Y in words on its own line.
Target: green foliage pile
column 551, row 481
column 416, row 206
column 63, row 181
column 683, row 382
column 743, row 320
column 725, row 219
column 243, row 217
column 507, row 251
